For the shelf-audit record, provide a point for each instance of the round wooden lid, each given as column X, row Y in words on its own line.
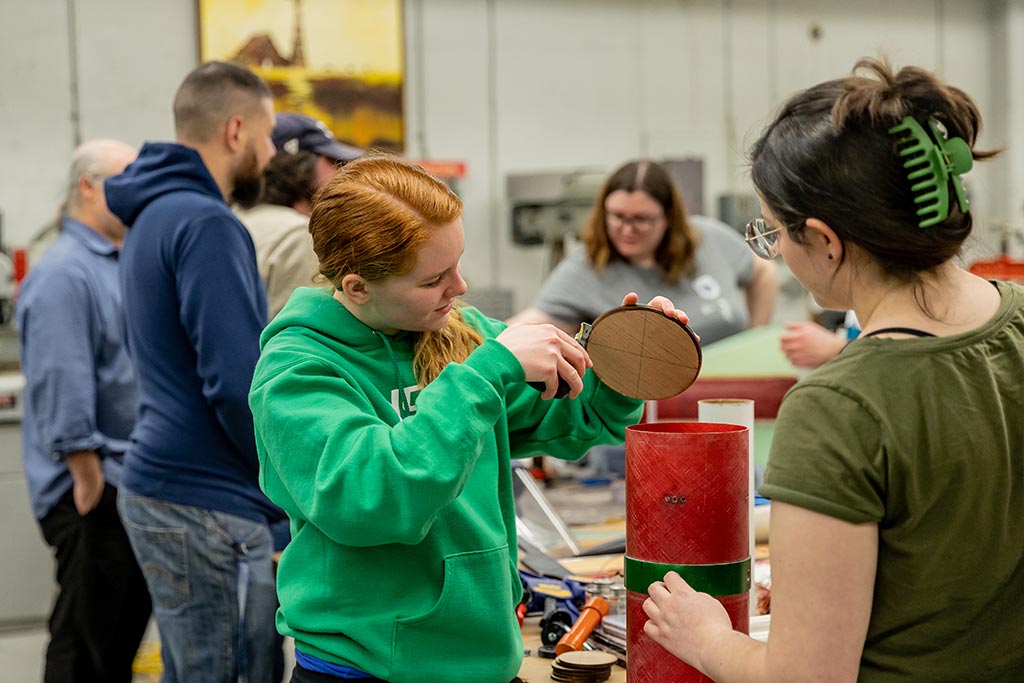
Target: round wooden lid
column 586, row 659
column 640, row 352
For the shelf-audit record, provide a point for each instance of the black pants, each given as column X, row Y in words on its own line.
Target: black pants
column 102, row 607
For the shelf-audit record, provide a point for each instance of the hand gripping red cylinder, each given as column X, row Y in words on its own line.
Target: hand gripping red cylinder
column 686, row 510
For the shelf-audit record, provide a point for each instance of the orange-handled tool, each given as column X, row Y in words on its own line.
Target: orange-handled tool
column 595, row 609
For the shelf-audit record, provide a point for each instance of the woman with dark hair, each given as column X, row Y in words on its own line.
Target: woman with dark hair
column 386, row 416
column 897, row 469
column 639, row 238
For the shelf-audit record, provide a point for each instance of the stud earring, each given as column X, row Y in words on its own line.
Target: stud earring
column 830, row 257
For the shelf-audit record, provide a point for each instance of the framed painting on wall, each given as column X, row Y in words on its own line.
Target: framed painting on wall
column 339, row 61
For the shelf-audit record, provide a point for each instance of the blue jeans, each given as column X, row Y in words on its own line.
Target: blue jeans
column 200, row 565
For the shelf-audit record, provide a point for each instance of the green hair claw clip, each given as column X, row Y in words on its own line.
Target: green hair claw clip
column 931, row 163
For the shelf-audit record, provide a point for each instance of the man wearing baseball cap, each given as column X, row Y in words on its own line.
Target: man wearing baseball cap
column 295, row 133
column 307, row 156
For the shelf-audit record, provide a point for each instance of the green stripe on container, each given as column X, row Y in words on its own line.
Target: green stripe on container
column 729, row 578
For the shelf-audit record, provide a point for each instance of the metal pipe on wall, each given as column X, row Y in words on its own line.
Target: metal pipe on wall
column 493, row 167
column 420, row 100
column 76, row 109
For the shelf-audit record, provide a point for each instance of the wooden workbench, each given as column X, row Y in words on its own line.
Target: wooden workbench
column 537, row 669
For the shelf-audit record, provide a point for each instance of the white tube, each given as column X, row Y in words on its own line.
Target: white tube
column 735, row 411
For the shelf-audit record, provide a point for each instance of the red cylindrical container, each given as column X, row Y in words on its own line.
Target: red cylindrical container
column 686, row 510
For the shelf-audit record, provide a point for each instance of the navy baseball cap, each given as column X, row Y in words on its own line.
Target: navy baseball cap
column 295, row 132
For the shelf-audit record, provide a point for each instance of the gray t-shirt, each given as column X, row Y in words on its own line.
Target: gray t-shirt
column 713, row 297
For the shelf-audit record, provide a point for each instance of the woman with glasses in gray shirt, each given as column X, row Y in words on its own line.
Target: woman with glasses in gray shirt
column 640, row 239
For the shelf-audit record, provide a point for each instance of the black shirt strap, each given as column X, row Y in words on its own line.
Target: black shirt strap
column 899, row 330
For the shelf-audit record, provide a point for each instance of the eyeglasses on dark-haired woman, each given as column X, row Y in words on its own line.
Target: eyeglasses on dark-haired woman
column 763, row 238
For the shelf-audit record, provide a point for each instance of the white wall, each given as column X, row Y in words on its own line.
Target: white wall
column 524, row 85
column 592, row 83
column 34, row 107
column 125, row 60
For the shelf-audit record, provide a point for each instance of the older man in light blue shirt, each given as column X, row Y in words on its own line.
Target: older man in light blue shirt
column 78, row 416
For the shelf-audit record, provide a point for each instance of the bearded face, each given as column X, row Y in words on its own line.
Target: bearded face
column 248, row 179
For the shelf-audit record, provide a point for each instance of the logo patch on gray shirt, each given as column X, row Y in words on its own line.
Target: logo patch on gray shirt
column 707, row 287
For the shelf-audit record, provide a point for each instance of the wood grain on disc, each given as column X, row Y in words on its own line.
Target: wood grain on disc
column 642, row 353
column 586, row 659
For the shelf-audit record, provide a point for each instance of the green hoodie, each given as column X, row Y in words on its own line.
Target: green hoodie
column 402, row 562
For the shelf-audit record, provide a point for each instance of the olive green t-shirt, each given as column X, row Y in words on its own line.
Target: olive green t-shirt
column 924, row 437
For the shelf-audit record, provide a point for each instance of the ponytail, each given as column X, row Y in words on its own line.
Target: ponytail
column 451, row 344
column 886, row 98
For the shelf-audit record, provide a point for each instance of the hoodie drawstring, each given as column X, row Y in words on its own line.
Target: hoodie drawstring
column 403, row 404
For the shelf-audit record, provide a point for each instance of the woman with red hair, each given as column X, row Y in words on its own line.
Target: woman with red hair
column 386, row 416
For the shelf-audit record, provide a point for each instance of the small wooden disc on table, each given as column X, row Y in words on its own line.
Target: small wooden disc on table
column 586, row 666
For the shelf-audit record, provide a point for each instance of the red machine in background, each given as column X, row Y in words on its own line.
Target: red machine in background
column 1003, row 267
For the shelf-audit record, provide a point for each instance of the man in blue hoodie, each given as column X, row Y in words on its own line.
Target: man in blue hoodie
column 194, row 308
